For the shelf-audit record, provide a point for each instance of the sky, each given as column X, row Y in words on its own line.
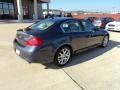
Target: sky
column 90, row 5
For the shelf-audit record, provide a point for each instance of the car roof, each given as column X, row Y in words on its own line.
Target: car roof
column 60, row 19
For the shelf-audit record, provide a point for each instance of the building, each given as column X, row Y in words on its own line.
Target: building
column 22, row 9
column 52, row 11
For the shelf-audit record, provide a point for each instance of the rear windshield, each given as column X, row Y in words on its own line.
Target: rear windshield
column 42, row 25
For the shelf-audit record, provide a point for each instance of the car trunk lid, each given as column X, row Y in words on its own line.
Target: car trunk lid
column 29, row 37
column 21, row 36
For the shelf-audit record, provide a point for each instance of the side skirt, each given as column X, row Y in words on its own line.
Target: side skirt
column 87, row 48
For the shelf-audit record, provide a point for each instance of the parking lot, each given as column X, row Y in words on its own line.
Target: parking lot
column 96, row 69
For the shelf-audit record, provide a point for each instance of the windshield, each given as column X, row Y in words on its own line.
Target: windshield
column 42, row 25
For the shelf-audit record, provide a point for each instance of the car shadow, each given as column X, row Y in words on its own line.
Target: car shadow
column 114, row 31
column 86, row 55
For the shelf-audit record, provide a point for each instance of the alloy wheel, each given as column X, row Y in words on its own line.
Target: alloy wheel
column 64, row 56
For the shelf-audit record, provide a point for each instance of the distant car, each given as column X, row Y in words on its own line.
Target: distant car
column 114, row 26
column 49, row 16
column 97, row 22
column 118, row 19
column 56, row 40
column 91, row 19
column 106, row 20
column 68, row 15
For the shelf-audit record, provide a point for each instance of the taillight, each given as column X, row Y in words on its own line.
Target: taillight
column 34, row 41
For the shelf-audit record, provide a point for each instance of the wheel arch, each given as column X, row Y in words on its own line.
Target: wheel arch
column 64, row 45
column 106, row 35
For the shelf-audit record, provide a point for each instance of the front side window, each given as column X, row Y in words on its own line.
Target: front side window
column 71, row 26
column 43, row 25
column 88, row 26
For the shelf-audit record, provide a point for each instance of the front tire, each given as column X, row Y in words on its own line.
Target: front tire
column 62, row 56
column 105, row 41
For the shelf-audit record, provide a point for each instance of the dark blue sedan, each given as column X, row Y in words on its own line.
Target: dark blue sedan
column 57, row 39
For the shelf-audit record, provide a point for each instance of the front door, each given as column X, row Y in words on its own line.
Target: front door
column 94, row 37
column 80, row 40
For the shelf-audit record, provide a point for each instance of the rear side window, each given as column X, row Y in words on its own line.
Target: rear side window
column 43, row 25
column 71, row 26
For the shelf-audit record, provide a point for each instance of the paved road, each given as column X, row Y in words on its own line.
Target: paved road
column 96, row 69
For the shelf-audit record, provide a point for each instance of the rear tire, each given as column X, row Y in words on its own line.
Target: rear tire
column 105, row 41
column 62, row 56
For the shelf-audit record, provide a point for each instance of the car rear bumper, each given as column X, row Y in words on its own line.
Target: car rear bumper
column 34, row 54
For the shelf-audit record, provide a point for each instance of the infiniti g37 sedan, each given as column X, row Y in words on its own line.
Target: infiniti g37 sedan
column 56, row 40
